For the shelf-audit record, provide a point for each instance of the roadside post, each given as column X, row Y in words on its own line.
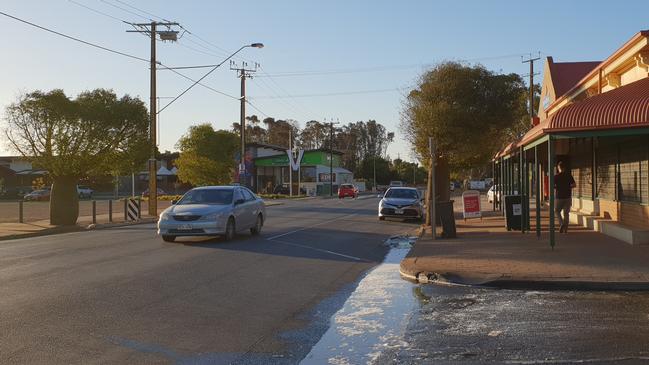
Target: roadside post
column 110, row 211
column 471, row 205
column 126, row 209
column 20, row 212
column 132, row 211
column 94, row 212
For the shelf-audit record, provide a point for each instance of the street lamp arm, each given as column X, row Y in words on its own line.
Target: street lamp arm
column 255, row 45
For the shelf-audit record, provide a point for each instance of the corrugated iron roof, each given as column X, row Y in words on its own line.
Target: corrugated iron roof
column 624, row 107
column 565, row 75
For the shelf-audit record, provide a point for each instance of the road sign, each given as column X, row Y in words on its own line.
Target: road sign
column 133, row 210
column 471, row 204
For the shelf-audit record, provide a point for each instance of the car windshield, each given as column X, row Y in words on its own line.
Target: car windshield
column 346, row 186
column 402, row 194
column 207, row 196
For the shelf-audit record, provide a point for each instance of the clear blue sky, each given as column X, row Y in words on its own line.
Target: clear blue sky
column 384, row 45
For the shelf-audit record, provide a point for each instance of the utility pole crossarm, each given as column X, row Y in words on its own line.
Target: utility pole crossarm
column 531, row 60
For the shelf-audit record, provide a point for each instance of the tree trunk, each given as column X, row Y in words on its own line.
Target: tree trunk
column 64, row 201
column 442, row 180
column 429, row 189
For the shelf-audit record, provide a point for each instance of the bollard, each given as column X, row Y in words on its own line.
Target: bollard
column 110, row 211
column 94, row 212
column 125, row 209
column 20, row 212
column 139, row 208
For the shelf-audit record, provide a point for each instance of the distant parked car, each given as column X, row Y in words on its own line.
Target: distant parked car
column 211, row 211
column 284, row 190
column 401, row 202
column 38, row 195
column 347, row 190
column 396, row 184
column 492, row 194
column 145, row 193
column 84, row 191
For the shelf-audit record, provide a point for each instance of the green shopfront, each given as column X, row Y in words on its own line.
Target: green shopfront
column 314, row 177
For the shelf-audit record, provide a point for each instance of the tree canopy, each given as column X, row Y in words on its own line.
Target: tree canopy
column 468, row 110
column 90, row 135
column 206, row 156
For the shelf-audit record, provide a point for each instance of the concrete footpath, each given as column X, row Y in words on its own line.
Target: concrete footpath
column 43, row 227
column 485, row 253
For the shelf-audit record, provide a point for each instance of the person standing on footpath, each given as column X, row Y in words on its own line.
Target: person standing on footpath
column 563, row 185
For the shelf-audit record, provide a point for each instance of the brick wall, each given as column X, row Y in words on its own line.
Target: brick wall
column 608, row 209
column 631, row 214
column 635, row 215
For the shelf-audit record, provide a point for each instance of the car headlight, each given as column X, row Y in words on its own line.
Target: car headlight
column 165, row 216
column 212, row 217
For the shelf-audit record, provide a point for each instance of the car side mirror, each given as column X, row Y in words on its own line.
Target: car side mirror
column 173, row 202
column 379, row 196
column 239, row 201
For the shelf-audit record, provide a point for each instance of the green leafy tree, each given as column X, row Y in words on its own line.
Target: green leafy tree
column 469, row 111
column 206, row 156
column 74, row 138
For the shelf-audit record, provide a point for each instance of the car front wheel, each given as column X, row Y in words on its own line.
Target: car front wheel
column 257, row 228
column 230, row 230
column 168, row 238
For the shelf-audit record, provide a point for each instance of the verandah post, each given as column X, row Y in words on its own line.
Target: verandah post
column 551, row 186
column 539, row 191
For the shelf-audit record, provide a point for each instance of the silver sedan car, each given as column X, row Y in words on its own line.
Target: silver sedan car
column 401, row 202
column 211, row 211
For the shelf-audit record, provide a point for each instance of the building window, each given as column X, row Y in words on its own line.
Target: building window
column 632, row 170
column 581, row 158
column 307, row 174
column 622, row 166
column 606, row 168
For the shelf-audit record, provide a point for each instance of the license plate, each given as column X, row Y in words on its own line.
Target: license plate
column 185, row 227
column 398, row 211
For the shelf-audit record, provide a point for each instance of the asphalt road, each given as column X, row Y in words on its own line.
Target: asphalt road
column 124, row 296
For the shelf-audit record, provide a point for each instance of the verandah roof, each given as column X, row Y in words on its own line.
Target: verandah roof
column 622, row 108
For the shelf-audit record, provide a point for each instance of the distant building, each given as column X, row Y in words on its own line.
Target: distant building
column 268, row 168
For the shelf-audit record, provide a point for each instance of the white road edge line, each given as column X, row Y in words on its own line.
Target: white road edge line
column 318, row 249
column 311, row 226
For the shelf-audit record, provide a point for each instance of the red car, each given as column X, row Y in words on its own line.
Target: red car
column 347, row 190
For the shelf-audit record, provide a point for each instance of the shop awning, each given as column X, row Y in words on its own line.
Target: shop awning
column 624, row 107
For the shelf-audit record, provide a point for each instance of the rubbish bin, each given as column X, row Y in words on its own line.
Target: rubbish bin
column 514, row 212
column 446, row 218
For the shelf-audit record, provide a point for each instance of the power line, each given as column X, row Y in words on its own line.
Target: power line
column 196, row 83
column 332, row 93
column 99, row 12
column 125, row 10
column 116, row 52
column 141, row 11
column 73, row 38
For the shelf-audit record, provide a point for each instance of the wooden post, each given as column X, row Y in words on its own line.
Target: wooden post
column 551, row 187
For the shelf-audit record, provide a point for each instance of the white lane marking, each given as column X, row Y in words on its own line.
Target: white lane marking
column 311, row 226
column 318, row 249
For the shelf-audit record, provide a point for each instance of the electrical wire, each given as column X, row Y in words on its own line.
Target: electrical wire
column 99, row 12
column 119, row 53
column 359, row 92
column 73, row 38
column 125, row 10
column 142, row 11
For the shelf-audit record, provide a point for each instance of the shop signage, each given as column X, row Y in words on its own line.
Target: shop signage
column 295, row 162
column 324, row 177
column 471, row 204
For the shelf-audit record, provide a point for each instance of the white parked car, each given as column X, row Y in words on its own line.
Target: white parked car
column 492, row 193
column 84, row 191
column 396, row 184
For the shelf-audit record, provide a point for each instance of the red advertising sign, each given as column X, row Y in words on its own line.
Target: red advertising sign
column 471, row 204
